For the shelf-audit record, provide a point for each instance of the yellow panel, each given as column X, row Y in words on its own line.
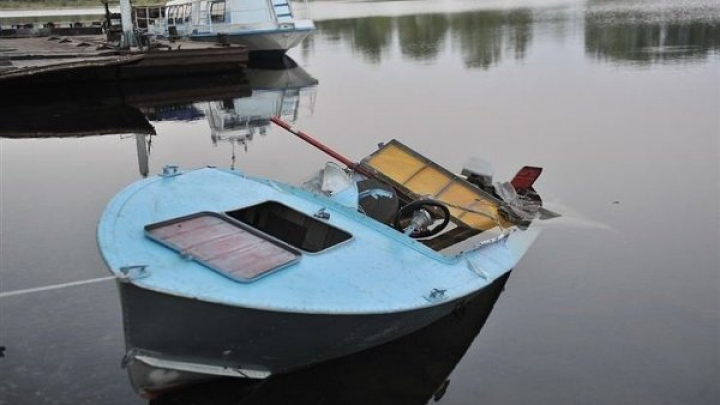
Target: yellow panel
column 478, row 221
column 395, row 163
column 459, row 194
column 429, row 181
column 463, row 196
column 473, row 219
column 421, row 177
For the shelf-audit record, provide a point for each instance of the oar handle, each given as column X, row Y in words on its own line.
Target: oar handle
column 314, row 142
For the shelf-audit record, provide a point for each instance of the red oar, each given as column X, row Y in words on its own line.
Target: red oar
column 314, row 142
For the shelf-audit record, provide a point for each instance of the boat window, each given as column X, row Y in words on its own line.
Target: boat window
column 171, row 15
column 175, row 15
column 253, row 11
column 292, row 227
column 148, row 15
column 217, row 11
column 182, row 11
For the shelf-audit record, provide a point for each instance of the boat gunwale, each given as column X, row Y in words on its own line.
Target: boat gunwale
column 303, row 311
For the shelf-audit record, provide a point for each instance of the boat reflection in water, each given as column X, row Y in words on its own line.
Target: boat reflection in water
column 410, row 370
column 236, row 106
column 288, row 93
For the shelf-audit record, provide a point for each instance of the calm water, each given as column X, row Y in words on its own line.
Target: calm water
column 619, row 101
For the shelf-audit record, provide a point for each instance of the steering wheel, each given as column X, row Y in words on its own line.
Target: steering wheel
column 430, row 206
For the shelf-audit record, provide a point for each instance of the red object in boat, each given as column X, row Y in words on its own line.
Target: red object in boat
column 526, row 177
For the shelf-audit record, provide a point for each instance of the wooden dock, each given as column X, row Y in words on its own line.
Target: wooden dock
column 89, row 58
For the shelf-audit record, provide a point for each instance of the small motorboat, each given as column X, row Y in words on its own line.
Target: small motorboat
column 224, row 274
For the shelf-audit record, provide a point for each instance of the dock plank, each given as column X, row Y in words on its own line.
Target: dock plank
column 35, row 57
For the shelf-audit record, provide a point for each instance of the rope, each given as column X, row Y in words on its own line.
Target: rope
column 54, row 287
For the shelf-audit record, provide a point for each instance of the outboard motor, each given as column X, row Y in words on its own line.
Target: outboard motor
column 479, row 172
column 523, row 202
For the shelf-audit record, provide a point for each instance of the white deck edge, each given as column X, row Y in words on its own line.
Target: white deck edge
column 202, row 368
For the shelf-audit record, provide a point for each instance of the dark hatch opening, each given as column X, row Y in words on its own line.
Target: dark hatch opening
column 291, row 226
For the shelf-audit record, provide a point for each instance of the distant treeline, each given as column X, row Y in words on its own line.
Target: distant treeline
column 37, row 4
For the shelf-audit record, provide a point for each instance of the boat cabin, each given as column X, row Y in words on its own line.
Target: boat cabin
column 186, row 17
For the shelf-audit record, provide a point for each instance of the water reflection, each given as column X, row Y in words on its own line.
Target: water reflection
column 370, row 37
column 422, row 36
column 236, row 107
column 486, row 38
column 77, row 119
column 100, row 108
column 655, row 36
column 483, row 37
column 289, row 93
column 411, row 370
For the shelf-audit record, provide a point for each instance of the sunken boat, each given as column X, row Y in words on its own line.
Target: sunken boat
column 225, row 274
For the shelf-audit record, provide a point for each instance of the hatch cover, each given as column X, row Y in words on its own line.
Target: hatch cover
column 229, row 247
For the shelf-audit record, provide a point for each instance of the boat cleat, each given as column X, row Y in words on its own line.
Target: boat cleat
column 135, row 272
column 170, row 171
column 436, row 295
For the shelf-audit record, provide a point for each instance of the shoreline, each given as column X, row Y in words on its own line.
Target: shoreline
column 30, row 5
column 53, row 12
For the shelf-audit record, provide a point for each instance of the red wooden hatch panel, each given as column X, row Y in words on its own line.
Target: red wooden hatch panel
column 222, row 244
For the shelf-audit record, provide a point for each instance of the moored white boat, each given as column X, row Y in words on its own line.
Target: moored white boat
column 223, row 274
column 265, row 26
